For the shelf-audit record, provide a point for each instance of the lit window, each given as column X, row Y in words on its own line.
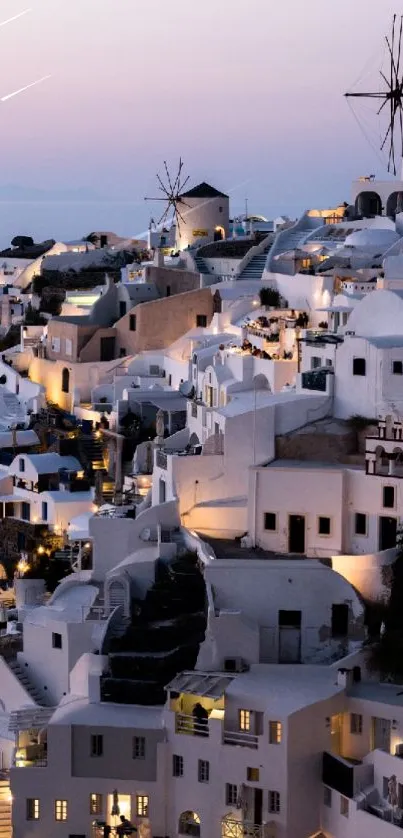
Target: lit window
column 96, row 745
column 139, row 747
column 252, row 775
column 274, row 802
column 96, row 804
column 327, row 796
column 203, row 771
column 142, row 805
column 177, row 766
column 56, row 640
column 61, row 810
column 355, row 723
column 231, row 794
column 323, row 526
column 244, row 720
column 275, row 732
column 32, row 809
column 344, row 806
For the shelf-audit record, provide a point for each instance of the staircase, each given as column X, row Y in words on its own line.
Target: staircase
column 254, row 269
column 108, row 491
column 23, row 678
column 12, row 413
column 201, row 265
column 92, row 452
column 5, row 808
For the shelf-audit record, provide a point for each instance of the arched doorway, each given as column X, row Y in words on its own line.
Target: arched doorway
column 394, row 204
column 219, row 234
column 65, row 380
column 368, row 204
column 189, row 824
column 260, row 382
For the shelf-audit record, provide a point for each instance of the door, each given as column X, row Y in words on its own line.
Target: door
column 380, row 734
column 122, row 308
column 258, row 807
column 289, row 643
column 296, row 534
column 387, row 532
column 107, row 349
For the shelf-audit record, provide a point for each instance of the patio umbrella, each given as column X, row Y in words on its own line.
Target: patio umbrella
column 115, row 811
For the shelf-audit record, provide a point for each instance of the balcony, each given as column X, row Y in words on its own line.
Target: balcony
column 245, row 829
column 190, row 725
column 32, row 756
column 240, row 737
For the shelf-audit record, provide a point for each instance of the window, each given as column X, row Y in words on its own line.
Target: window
column 275, row 731
column 55, row 344
column 388, row 497
column 168, row 290
column 327, row 796
column 32, row 809
column 68, row 346
column 96, row 745
column 132, row 322
column 324, row 525
column 65, row 380
column 203, row 771
column 340, row 620
column 96, row 804
column 252, row 775
column 244, row 720
column 142, row 805
column 274, row 802
column 21, row 464
column 360, row 525
column 44, row 511
column 270, row 521
column 344, row 806
column 316, row 362
column 397, row 367
column 61, row 810
column 355, row 723
column 201, row 320
column 231, row 794
column 139, row 747
column 359, row 366
column 25, row 511
column 177, row 766
column 122, row 352
column 56, row 640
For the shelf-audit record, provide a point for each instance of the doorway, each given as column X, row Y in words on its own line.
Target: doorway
column 258, row 807
column 107, row 349
column 219, row 234
column 289, row 641
column 387, row 532
column 380, row 734
column 296, row 534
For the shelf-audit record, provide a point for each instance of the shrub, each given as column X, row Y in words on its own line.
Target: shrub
column 269, row 297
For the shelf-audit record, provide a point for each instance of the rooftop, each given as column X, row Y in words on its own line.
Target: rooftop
column 51, row 463
column 75, row 710
column 203, row 190
column 381, row 693
column 273, row 686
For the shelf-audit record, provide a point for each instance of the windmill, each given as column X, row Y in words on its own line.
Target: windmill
column 390, row 97
column 171, row 195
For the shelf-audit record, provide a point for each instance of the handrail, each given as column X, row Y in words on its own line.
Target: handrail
column 240, row 737
column 184, row 723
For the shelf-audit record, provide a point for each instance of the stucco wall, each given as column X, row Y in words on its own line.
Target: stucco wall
column 61, row 330
column 178, row 281
column 160, row 322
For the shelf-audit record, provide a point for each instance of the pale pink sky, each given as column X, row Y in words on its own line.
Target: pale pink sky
column 242, row 89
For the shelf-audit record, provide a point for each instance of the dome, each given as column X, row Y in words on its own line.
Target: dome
column 372, row 238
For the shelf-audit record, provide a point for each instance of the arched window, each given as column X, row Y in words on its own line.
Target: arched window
column 189, row 824
column 65, row 380
column 368, row 204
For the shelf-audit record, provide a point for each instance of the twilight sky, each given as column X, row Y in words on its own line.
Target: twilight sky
column 244, row 91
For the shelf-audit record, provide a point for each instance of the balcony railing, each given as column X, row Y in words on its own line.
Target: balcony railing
column 243, row 829
column 240, row 737
column 190, row 725
column 30, row 757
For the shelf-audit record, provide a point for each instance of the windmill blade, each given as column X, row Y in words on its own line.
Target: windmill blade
column 184, row 183
column 401, row 132
column 176, row 186
column 164, row 215
column 168, row 177
column 392, row 64
column 400, row 46
column 385, row 79
column 383, row 105
column 162, row 186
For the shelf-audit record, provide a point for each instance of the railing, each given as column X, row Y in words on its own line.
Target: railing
column 30, row 757
column 190, row 725
column 240, row 737
column 161, row 460
column 243, row 829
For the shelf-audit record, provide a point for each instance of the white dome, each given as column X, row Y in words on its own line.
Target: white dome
column 372, row 238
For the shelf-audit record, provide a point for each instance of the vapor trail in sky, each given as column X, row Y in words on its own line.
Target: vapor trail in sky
column 10, row 19
column 22, row 89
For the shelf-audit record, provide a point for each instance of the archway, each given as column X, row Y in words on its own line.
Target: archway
column 219, row 234
column 260, row 382
column 394, row 204
column 368, row 204
column 189, row 824
column 65, row 380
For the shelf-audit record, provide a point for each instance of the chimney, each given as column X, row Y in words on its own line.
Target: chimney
column 345, row 677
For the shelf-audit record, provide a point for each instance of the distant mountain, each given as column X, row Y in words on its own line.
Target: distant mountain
column 15, row 193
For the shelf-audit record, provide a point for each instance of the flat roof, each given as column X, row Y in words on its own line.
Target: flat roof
column 75, row 710
column 391, row 694
column 284, row 689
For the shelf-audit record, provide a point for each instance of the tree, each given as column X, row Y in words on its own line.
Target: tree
column 92, row 238
column 385, row 650
column 22, row 242
column 269, row 297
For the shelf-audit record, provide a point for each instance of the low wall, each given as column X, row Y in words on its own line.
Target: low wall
column 366, row 573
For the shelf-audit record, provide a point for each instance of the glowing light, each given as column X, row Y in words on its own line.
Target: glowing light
column 22, row 566
column 255, row 302
column 11, row 19
column 95, row 508
column 41, row 549
column 23, row 89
